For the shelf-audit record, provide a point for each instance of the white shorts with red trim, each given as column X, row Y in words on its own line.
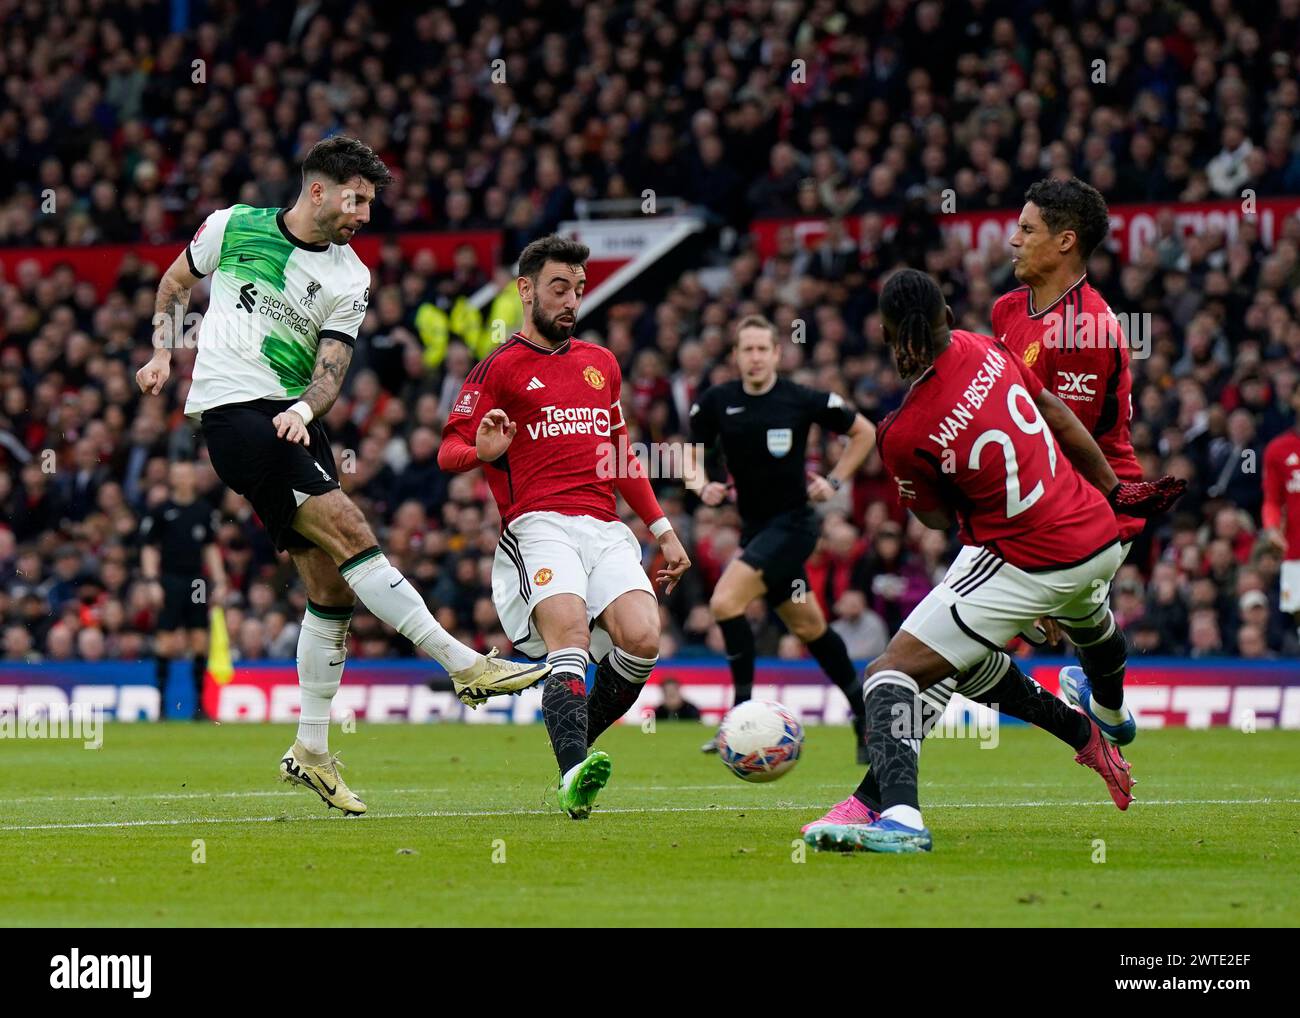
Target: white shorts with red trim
column 984, row 601
column 541, row 554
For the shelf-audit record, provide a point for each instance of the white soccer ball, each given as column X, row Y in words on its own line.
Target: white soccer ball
column 760, row 740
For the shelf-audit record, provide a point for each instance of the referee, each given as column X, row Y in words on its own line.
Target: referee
column 761, row 423
column 178, row 538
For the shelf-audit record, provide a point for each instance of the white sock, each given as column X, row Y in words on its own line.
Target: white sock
column 1111, row 717
column 322, row 653
column 908, row 816
column 390, row 598
column 568, row 775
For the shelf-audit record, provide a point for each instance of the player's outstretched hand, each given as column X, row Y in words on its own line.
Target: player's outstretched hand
column 495, row 433
column 713, row 493
column 819, row 489
column 289, row 426
column 676, row 561
column 1145, row 499
column 153, row 376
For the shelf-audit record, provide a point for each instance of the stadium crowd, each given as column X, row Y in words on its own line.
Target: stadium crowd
column 893, row 103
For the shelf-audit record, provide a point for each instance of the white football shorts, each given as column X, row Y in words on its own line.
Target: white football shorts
column 541, row 554
column 984, row 601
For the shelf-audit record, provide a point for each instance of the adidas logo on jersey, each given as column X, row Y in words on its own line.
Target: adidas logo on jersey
column 534, row 383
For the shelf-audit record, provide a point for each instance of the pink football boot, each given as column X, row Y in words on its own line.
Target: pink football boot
column 1109, row 762
column 850, row 811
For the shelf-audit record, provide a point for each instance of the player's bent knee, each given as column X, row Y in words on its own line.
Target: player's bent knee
column 333, row 592
column 723, row 608
column 808, row 632
column 642, row 644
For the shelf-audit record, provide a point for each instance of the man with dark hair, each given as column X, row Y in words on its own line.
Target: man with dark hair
column 288, row 296
column 760, row 424
column 1064, row 332
column 542, row 415
column 979, row 441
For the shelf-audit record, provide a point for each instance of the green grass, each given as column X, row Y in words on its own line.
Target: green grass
column 676, row 839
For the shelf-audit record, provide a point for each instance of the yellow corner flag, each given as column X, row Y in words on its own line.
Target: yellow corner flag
column 220, row 666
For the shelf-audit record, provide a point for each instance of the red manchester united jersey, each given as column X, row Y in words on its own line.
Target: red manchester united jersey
column 565, row 405
column 1077, row 348
column 970, row 438
column 1282, row 489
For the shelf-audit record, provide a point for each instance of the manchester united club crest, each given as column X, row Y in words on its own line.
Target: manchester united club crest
column 1031, row 354
column 593, row 377
column 542, row 577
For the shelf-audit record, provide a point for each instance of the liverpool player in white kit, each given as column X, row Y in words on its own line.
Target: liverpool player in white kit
column 542, row 416
column 288, row 297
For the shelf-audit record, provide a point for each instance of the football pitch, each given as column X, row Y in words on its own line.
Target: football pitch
column 185, row 824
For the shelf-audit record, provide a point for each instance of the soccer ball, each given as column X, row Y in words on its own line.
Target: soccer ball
column 759, row 740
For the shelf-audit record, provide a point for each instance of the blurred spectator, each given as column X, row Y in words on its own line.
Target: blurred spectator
column 675, row 707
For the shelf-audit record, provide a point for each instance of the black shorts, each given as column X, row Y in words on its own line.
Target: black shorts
column 180, row 610
column 778, row 549
column 273, row 474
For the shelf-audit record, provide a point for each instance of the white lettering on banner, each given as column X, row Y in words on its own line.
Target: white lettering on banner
column 1132, row 227
column 388, row 703
column 1258, row 701
column 1148, row 704
column 40, row 700
column 285, row 705
column 349, row 700
column 1201, row 703
column 1154, row 705
column 125, row 703
column 1290, row 714
column 97, row 697
column 428, row 705
column 237, row 702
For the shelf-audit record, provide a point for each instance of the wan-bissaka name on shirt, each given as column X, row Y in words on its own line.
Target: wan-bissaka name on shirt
column 959, row 417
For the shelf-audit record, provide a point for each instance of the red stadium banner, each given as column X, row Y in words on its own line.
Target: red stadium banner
column 1163, row 692
column 1131, row 226
column 101, row 264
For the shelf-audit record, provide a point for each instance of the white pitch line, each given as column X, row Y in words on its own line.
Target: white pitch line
column 163, row 796
column 732, row 808
column 290, row 793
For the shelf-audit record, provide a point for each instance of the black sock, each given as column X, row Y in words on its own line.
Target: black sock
column 891, row 697
column 611, row 697
column 1021, row 697
column 564, row 709
column 161, row 666
column 198, row 668
column 868, row 792
column 1104, row 663
column 739, row 639
column 830, row 652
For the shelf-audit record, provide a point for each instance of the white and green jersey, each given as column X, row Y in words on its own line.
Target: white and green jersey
column 273, row 299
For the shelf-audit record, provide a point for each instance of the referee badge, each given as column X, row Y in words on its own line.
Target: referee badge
column 779, row 441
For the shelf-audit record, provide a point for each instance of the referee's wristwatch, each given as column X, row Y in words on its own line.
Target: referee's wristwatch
column 835, row 483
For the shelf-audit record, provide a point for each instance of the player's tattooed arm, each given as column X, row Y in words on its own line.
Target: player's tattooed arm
column 1078, row 445
column 170, row 304
column 332, row 361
